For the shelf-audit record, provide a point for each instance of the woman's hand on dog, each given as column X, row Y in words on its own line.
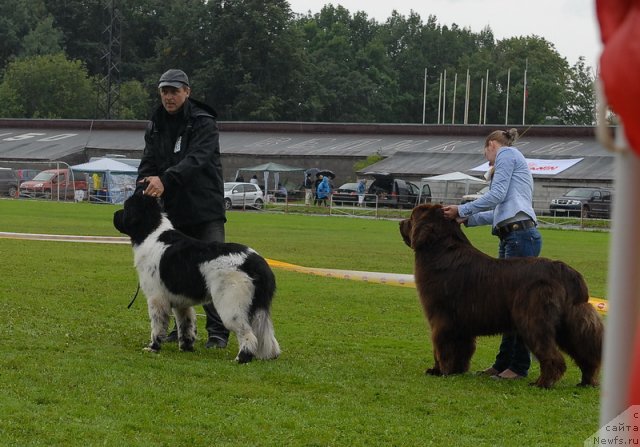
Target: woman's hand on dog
column 450, row 211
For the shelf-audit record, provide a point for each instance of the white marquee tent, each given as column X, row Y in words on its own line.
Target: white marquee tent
column 453, row 177
column 275, row 168
column 111, row 181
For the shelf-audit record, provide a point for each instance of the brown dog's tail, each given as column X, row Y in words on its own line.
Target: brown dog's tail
column 576, row 286
column 582, row 338
column 581, row 331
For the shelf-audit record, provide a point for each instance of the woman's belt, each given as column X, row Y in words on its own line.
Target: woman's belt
column 503, row 230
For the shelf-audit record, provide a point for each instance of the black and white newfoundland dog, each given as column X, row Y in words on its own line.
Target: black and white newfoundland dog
column 176, row 272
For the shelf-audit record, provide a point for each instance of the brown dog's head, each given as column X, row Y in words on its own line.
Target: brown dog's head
column 427, row 225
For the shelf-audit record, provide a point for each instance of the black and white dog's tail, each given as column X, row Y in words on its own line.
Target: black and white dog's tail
column 262, row 326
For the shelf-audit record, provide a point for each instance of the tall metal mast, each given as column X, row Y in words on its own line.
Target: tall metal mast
column 110, row 82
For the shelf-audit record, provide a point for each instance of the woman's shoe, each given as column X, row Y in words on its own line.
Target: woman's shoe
column 488, row 372
column 507, row 374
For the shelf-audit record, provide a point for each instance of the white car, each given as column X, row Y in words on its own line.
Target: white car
column 470, row 197
column 242, row 195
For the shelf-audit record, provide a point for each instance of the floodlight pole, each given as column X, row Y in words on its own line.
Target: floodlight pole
column 524, row 93
column 439, row 99
column 506, row 113
column 424, row 96
column 455, row 87
column 486, row 92
column 444, row 96
column 466, row 100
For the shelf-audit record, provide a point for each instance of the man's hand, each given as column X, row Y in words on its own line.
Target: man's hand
column 155, row 188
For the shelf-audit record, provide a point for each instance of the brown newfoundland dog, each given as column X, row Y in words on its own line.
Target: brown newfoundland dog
column 465, row 293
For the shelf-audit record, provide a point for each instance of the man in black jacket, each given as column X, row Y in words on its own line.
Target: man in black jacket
column 181, row 165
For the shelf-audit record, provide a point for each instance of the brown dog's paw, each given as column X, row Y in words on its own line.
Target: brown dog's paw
column 433, row 372
column 541, row 384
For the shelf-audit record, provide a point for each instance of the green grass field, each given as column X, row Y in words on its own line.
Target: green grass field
column 73, row 372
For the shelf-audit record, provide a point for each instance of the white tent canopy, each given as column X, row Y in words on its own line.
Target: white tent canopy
column 453, row 177
column 112, row 181
column 104, row 165
column 267, row 168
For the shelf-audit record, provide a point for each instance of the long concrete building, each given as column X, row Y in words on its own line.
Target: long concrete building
column 564, row 156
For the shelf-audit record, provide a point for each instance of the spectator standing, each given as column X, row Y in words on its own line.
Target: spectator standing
column 323, row 191
column 282, row 191
column 361, row 190
column 316, row 183
column 307, row 186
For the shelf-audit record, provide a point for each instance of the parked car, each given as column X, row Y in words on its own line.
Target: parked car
column 26, row 174
column 585, row 202
column 346, row 194
column 239, row 194
column 54, row 183
column 476, row 195
column 8, row 182
column 394, row 192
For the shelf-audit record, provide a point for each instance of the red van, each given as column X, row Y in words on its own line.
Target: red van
column 57, row 184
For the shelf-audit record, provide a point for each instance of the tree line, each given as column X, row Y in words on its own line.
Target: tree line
column 256, row 60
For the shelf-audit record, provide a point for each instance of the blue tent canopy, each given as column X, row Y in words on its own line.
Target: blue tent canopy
column 111, row 181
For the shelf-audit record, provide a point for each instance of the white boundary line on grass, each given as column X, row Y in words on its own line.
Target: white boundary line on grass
column 65, row 238
column 394, row 279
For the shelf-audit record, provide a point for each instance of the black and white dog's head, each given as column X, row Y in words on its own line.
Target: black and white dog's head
column 139, row 218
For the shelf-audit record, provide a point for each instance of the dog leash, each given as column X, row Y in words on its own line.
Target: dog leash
column 134, row 297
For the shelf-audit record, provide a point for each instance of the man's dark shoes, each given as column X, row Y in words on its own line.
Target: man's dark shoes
column 216, row 342
column 172, row 337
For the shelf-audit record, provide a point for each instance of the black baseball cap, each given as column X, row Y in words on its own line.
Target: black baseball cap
column 174, row 78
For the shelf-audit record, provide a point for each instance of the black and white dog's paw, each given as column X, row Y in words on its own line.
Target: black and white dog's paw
column 152, row 347
column 187, row 347
column 244, row 356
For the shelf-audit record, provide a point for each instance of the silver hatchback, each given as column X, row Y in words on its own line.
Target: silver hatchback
column 242, row 195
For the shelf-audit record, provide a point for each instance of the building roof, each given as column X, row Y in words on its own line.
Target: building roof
column 415, row 164
column 416, row 150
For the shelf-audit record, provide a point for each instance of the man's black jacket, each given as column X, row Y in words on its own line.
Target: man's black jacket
column 190, row 167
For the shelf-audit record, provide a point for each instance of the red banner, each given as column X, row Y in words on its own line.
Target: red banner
column 620, row 62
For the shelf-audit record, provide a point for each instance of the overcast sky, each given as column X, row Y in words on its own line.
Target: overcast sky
column 571, row 25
